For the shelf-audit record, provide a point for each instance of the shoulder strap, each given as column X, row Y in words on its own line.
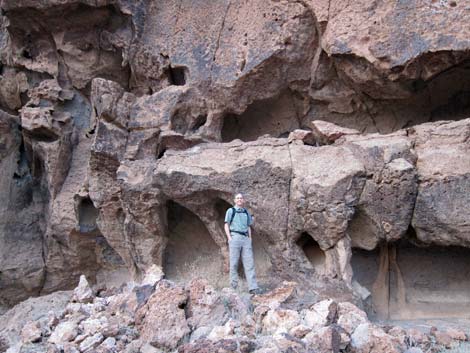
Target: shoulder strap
column 247, row 217
column 233, row 215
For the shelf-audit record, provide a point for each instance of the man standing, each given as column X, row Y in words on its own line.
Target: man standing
column 238, row 230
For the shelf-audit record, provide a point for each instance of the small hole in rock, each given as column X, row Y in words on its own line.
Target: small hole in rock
column 87, row 215
column 176, row 75
column 161, row 152
column 26, row 54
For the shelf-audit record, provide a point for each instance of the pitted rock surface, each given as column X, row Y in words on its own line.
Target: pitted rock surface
column 126, row 127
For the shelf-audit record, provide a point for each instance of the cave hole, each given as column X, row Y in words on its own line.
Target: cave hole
column 160, row 151
column 312, row 251
column 190, row 252
column 22, row 163
column 275, row 117
column 26, row 54
column 198, row 122
column 221, row 207
column 176, row 75
column 43, row 135
column 444, row 96
column 87, row 215
column 410, row 282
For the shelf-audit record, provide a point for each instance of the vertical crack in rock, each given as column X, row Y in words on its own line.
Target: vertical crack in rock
column 319, row 50
column 217, row 44
column 289, row 199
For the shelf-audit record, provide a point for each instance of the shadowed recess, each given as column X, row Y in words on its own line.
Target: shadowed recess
column 87, row 214
column 410, row 282
column 190, row 252
column 312, row 251
column 274, row 116
column 176, row 75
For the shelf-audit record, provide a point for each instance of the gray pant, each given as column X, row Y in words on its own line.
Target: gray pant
column 242, row 245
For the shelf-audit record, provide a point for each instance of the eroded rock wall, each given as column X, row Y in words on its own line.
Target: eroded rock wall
column 119, row 117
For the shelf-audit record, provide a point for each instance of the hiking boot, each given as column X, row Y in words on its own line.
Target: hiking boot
column 256, row 291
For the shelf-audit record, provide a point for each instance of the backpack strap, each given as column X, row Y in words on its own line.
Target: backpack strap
column 233, row 215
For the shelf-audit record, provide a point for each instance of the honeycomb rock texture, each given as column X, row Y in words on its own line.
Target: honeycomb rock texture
column 126, row 127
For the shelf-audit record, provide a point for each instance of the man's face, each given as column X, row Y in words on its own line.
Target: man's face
column 239, row 200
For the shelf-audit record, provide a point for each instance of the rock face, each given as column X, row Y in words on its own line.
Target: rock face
column 126, row 127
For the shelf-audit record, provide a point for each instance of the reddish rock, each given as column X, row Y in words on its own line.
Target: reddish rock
column 372, row 339
column 205, row 305
column 456, row 334
column 324, row 339
column 325, row 133
column 31, row 332
column 350, row 316
column 276, row 297
column 162, row 321
column 442, row 338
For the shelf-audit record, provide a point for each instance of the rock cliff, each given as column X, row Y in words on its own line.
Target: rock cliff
column 126, row 127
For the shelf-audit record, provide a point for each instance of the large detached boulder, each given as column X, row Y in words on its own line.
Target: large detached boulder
column 162, row 320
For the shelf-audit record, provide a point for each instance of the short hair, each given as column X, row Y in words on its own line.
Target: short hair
column 239, row 194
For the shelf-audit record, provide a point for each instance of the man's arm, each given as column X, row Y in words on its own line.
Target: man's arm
column 250, row 222
column 227, row 231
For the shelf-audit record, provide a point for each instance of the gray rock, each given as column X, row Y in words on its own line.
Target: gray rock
column 83, row 292
column 91, row 342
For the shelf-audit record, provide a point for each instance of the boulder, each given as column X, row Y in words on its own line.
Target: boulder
column 304, row 136
column 161, row 321
column 320, row 314
column 83, row 292
column 31, row 332
column 31, row 310
column 153, row 274
column 91, row 342
column 325, row 133
column 350, row 317
column 371, row 338
column 64, row 332
column 205, row 306
column 324, row 339
column 279, row 321
column 456, row 334
column 274, row 298
column 442, row 338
